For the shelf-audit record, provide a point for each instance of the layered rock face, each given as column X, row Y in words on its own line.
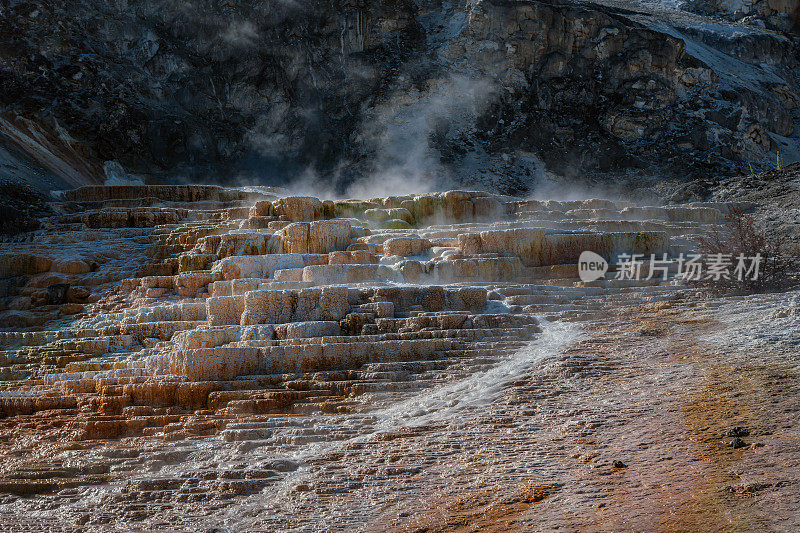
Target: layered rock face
column 155, row 314
column 481, row 92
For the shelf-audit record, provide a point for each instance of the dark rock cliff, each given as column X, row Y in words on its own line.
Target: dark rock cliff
column 487, row 93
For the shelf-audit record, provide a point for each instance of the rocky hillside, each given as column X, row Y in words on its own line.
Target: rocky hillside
column 413, row 92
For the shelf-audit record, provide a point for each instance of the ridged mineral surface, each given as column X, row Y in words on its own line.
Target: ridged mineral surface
column 194, row 357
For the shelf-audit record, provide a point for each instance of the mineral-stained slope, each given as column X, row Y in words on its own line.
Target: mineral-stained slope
column 185, row 348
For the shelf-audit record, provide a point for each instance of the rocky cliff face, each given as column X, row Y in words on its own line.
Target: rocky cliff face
column 488, row 92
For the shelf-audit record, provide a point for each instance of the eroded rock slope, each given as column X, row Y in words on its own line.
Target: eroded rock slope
column 486, row 92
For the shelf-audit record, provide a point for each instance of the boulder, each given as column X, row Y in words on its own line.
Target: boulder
column 406, row 246
column 299, row 208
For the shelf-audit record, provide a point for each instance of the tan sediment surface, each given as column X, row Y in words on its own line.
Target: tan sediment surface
column 663, row 402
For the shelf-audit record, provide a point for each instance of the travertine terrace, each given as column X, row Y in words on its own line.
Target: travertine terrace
column 173, row 353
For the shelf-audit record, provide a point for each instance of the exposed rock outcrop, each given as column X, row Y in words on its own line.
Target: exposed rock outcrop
column 483, row 93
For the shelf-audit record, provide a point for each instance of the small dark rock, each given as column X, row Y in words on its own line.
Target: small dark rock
column 737, row 443
column 57, row 293
column 738, row 431
column 619, row 464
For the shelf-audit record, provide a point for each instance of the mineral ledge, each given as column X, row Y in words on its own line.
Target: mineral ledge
column 146, row 315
